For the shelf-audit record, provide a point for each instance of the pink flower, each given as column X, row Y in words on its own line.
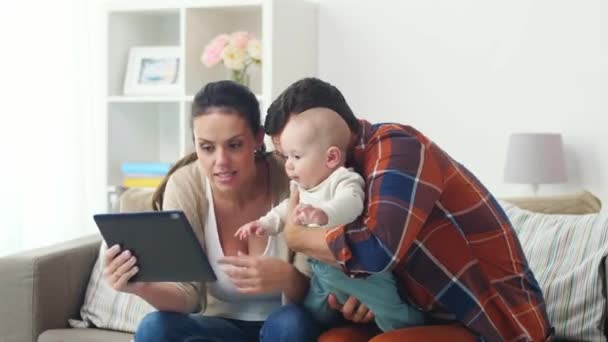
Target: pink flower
column 210, row 59
column 212, row 54
column 240, row 39
column 236, row 51
column 221, row 39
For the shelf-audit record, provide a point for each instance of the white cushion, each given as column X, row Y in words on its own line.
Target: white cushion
column 107, row 308
column 567, row 255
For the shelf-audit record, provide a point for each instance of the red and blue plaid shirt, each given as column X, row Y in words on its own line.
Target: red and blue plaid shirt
column 448, row 242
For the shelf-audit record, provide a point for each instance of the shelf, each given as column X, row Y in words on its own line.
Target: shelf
column 156, row 5
column 144, row 99
column 157, row 128
column 190, row 98
column 142, row 132
column 159, row 99
column 130, row 29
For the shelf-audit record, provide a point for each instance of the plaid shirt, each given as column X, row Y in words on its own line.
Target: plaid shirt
column 444, row 236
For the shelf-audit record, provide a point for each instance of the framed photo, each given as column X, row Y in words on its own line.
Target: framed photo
column 154, row 70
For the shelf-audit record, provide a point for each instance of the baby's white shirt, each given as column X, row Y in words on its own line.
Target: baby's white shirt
column 340, row 196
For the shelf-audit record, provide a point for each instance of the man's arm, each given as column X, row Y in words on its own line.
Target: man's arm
column 405, row 175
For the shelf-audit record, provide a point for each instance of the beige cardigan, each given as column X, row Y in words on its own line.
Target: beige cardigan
column 186, row 191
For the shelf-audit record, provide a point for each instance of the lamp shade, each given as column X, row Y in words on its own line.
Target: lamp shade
column 535, row 158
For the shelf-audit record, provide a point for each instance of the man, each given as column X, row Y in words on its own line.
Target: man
column 428, row 220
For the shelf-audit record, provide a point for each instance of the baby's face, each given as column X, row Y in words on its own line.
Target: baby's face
column 306, row 158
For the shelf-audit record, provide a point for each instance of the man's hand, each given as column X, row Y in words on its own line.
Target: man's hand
column 291, row 227
column 306, row 214
column 305, row 240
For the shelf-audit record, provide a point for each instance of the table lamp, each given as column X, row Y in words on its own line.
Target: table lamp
column 535, row 158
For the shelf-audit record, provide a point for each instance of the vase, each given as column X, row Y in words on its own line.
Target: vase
column 240, row 76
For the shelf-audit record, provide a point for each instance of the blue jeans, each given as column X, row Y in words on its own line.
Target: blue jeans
column 288, row 323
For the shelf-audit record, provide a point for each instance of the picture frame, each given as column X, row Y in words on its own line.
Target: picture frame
column 154, row 70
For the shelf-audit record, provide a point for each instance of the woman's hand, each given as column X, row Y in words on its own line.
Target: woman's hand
column 257, row 274
column 119, row 268
column 352, row 309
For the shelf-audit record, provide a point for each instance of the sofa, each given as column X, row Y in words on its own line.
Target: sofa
column 43, row 288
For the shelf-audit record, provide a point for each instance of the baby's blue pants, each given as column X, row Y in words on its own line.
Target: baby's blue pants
column 377, row 291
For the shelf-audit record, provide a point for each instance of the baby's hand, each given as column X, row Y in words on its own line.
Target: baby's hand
column 306, row 214
column 253, row 227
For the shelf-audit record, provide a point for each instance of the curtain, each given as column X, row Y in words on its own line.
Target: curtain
column 45, row 107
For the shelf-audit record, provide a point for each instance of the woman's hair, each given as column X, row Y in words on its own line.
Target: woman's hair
column 305, row 94
column 225, row 97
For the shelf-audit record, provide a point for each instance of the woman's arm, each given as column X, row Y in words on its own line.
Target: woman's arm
column 296, row 284
column 167, row 297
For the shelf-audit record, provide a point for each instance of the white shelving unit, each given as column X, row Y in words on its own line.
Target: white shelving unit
column 157, row 128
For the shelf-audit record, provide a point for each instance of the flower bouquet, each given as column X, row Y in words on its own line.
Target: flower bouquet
column 238, row 51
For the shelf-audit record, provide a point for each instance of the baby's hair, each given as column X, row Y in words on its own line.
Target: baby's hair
column 325, row 127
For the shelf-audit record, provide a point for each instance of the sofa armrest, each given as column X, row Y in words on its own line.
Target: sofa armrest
column 40, row 289
column 575, row 204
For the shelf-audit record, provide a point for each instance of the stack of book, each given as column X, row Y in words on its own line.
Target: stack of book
column 143, row 175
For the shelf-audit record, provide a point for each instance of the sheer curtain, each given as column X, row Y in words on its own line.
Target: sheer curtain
column 45, row 105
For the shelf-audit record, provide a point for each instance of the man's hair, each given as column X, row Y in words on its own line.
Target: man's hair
column 305, row 94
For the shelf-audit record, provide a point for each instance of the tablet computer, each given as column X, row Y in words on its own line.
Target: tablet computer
column 163, row 243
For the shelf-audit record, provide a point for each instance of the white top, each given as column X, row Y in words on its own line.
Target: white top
column 340, row 196
column 226, row 301
column 187, row 191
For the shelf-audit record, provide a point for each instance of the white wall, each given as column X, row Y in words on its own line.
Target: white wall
column 468, row 73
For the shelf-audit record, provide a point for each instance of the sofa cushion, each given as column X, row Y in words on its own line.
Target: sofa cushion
column 567, row 255
column 83, row 335
column 103, row 306
column 107, row 308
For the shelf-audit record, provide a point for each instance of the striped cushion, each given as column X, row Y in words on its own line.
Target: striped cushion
column 567, row 253
column 106, row 308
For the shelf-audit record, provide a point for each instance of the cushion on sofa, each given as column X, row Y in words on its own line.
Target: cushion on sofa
column 103, row 306
column 107, row 308
column 567, row 255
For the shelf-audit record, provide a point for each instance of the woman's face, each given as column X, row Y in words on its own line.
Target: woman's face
column 225, row 148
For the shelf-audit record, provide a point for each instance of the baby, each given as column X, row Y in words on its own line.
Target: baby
column 315, row 143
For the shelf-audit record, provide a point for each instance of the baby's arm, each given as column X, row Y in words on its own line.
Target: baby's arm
column 347, row 203
column 251, row 228
column 275, row 219
column 269, row 224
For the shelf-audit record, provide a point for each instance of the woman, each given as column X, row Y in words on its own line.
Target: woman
column 228, row 182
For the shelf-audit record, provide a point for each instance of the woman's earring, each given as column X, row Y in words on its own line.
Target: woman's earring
column 259, row 151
